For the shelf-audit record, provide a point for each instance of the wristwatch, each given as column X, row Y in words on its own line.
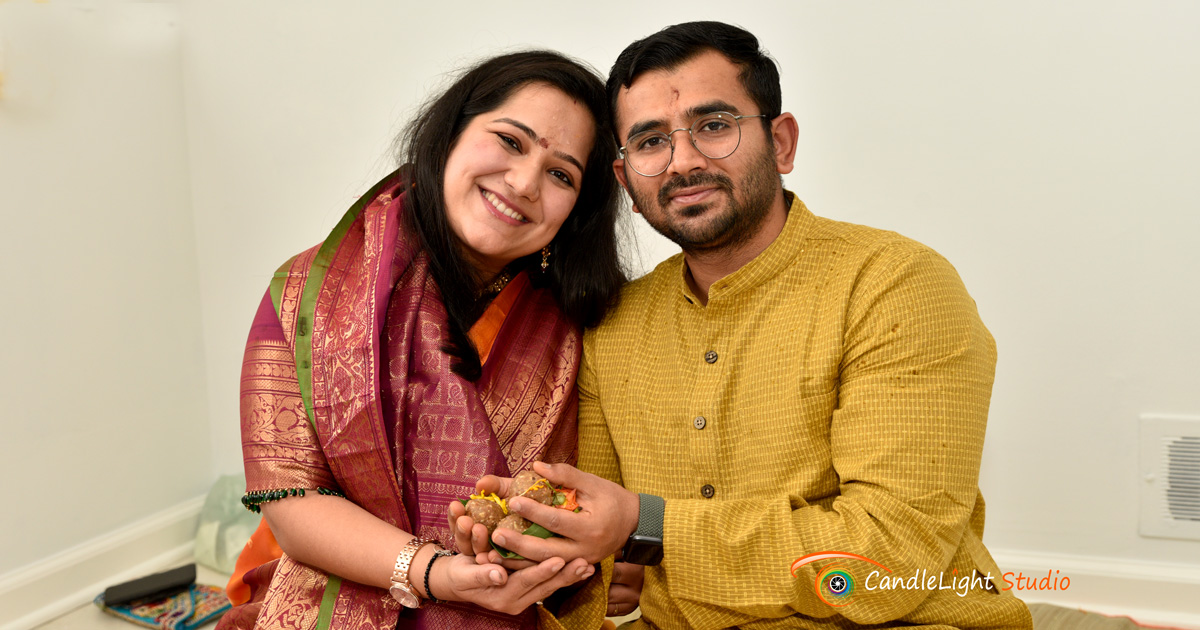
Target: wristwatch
column 645, row 545
column 402, row 589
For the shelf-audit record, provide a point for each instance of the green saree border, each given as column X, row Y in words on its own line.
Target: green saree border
column 312, row 289
column 325, row 615
column 277, row 283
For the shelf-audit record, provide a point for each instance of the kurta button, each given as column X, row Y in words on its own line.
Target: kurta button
column 710, row 356
column 699, row 422
column 707, row 491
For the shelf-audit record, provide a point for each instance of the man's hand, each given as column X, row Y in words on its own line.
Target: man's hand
column 626, row 590
column 608, row 516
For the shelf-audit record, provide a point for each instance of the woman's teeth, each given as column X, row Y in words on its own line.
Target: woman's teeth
column 505, row 210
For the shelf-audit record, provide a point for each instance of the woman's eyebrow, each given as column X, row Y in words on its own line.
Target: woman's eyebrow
column 520, row 125
column 534, row 137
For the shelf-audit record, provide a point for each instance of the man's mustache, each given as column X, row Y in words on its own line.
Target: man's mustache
column 680, row 182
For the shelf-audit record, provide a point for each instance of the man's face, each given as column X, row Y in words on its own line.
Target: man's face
column 700, row 203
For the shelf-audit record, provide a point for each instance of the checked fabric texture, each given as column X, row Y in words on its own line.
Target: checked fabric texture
column 831, row 396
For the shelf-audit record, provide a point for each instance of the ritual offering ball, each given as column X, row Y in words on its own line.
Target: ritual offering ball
column 489, row 513
column 528, row 484
column 514, row 522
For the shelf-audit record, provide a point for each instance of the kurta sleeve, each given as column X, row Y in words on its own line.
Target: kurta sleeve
column 597, row 455
column 279, row 444
column 905, row 438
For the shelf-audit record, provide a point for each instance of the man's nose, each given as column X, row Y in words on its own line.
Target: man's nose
column 686, row 157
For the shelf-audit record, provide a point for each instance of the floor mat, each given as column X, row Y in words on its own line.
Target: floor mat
column 1050, row 617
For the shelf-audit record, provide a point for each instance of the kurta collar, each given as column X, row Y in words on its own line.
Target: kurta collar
column 768, row 264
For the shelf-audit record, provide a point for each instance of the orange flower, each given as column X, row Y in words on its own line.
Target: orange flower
column 569, row 502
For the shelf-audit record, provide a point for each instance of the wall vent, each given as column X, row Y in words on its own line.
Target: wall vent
column 1170, row 468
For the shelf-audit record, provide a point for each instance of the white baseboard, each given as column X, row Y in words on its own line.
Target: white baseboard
column 41, row 591
column 1151, row 593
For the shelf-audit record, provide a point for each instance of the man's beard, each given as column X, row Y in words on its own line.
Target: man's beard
column 740, row 220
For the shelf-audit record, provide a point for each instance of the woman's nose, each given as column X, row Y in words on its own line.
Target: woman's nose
column 524, row 179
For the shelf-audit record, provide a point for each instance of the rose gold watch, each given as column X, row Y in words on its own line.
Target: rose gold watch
column 402, row 589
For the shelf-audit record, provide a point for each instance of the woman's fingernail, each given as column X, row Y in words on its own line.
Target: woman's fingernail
column 495, row 575
column 589, row 572
column 583, row 570
column 557, row 566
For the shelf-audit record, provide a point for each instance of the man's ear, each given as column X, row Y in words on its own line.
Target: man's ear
column 619, row 171
column 785, row 131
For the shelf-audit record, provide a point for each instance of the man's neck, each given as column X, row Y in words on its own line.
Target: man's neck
column 706, row 267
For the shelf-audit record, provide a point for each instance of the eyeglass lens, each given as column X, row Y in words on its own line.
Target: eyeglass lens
column 716, row 135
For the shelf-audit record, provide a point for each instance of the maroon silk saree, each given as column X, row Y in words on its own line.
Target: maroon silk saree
column 345, row 386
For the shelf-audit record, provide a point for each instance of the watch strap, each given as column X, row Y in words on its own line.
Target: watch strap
column 651, row 511
column 400, row 573
column 645, row 544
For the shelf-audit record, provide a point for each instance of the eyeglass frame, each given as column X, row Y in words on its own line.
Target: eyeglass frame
column 691, row 138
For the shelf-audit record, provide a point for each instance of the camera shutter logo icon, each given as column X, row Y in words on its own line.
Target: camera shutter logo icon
column 834, row 584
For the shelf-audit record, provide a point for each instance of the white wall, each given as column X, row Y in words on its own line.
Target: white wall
column 1048, row 149
column 104, row 416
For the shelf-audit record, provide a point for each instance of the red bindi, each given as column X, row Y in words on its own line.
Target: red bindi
column 544, row 143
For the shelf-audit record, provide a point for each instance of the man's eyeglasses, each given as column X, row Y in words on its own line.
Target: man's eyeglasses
column 716, row 135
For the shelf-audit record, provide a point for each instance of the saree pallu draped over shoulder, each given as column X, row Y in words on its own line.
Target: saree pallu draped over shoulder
column 345, row 387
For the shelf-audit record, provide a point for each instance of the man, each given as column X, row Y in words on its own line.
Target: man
column 788, row 385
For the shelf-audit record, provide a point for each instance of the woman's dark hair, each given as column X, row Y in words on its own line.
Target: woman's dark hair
column 674, row 45
column 585, row 273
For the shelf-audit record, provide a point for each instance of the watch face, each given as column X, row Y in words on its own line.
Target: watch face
column 643, row 550
column 407, row 598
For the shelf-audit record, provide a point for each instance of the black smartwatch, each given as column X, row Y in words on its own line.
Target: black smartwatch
column 645, row 545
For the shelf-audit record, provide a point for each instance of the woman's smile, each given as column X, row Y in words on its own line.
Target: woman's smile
column 503, row 209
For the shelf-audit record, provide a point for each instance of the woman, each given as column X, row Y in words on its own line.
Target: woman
column 433, row 338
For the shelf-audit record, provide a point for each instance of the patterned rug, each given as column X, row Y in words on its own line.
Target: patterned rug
column 187, row 610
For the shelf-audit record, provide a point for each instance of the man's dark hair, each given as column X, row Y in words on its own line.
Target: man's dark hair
column 674, row 45
column 584, row 274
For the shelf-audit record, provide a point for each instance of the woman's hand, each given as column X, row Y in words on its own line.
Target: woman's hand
column 460, row 578
column 626, row 589
column 470, row 537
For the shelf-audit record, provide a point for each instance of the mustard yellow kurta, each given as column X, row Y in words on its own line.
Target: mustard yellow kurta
column 832, row 396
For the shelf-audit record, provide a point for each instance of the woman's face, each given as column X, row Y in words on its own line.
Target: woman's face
column 514, row 174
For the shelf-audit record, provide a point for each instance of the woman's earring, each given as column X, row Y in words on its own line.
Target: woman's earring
column 545, row 258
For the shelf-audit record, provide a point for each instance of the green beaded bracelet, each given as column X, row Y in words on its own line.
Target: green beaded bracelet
column 252, row 500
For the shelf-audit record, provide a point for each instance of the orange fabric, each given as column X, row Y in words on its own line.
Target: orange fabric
column 260, row 549
column 483, row 333
column 262, row 546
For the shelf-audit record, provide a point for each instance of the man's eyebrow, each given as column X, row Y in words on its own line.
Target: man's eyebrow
column 691, row 114
column 710, row 107
column 645, row 125
column 535, row 138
